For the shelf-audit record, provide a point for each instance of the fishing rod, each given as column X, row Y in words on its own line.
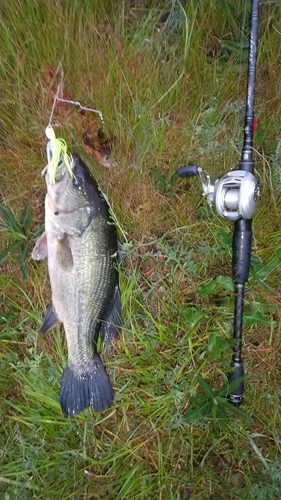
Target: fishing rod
column 235, row 196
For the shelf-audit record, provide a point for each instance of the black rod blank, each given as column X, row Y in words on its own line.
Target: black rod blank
column 246, row 162
column 242, row 235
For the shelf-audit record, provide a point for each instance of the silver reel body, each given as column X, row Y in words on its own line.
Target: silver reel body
column 235, row 195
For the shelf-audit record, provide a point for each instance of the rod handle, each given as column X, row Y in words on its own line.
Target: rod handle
column 236, row 396
column 241, row 250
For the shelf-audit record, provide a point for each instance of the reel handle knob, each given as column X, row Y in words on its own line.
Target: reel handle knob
column 207, row 186
column 188, row 171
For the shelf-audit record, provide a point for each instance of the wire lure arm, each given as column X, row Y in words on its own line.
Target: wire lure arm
column 69, row 101
column 235, row 196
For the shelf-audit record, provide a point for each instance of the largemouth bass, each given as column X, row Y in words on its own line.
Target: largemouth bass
column 80, row 241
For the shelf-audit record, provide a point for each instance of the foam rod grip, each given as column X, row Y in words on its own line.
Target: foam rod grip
column 241, row 250
column 236, row 396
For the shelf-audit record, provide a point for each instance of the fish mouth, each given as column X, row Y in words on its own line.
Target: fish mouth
column 60, row 173
column 58, row 160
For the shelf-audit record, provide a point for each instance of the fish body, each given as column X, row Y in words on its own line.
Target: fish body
column 80, row 241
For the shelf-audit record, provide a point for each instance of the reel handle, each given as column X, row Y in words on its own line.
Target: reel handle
column 188, row 170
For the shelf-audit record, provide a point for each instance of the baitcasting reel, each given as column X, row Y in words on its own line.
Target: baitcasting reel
column 235, row 195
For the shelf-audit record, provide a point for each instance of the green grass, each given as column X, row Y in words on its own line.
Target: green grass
column 170, row 82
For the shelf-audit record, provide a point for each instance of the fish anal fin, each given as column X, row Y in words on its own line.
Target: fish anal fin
column 51, row 319
column 40, row 250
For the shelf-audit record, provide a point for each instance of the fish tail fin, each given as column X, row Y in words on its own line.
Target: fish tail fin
column 85, row 387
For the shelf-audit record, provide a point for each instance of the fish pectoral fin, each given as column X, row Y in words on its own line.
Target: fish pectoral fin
column 51, row 319
column 64, row 253
column 111, row 325
column 40, row 250
column 85, row 387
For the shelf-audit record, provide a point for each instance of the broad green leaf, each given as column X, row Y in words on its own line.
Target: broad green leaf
column 237, row 411
column 222, row 413
column 224, row 282
column 39, row 230
column 24, row 271
column 26, row 219
column 18, row 235
column 196, row 413
column 228, row 388
column 205, row 386
column 214, row 344
column 10, row 249
column 171, row 196
column 158, row 176
column 194, row 316
column 214, row 410
column 174, row 179
column 253, row 317
column 261, row 282
column 224, row 236
column 261, row 270
column 12, row 224
column 24, row 254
